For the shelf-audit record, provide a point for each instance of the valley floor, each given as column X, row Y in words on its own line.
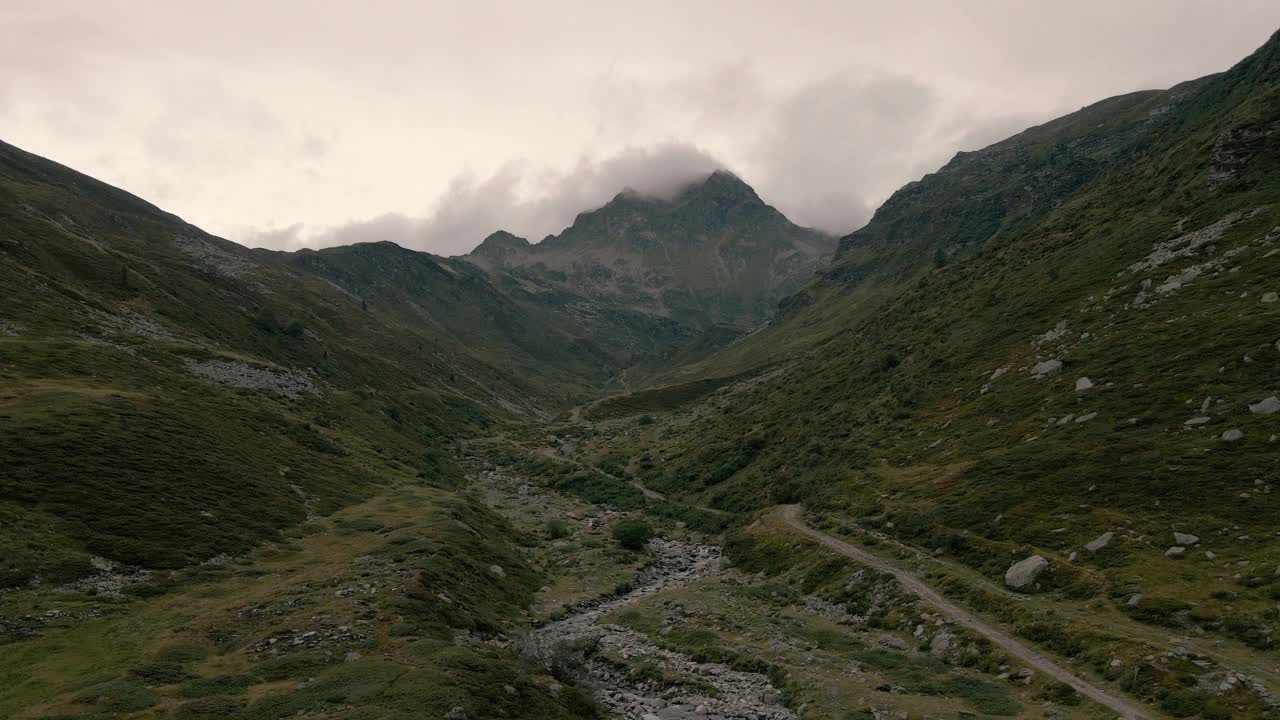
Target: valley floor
column 387, row 609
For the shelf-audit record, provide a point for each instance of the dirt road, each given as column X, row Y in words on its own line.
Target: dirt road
column 791, row 515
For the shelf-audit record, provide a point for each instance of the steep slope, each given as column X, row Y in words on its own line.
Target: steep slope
column 713, row 256
column 976, row 200
column 1093, row 355
column 170, row 396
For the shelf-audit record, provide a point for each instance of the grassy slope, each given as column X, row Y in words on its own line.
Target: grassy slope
column 367, row 584
column 887, row 421
column 111, row 445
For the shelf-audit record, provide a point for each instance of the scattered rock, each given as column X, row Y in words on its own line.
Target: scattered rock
column 892, row 642
column 1201, row 420
column 1233, row 435
column 456, row 713
column 1175, row 552
column 1270, row 297
column 940, row 644
column 1185, row 539
column 1045, row 368
column 1268, row 406
column 242, row 375
column 1083, row 384
column 1099, row 542
column 1025, row 572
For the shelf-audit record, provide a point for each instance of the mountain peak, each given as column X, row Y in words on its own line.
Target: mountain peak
column 500, row 244
column 721, row 185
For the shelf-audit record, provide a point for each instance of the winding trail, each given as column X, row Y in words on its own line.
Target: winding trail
column 791, row 515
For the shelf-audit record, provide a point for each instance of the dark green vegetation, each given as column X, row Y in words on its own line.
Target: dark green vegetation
column 1134, row 242
column 351, row 616
column 632, row 534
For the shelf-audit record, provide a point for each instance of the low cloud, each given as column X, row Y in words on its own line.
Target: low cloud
column 472, row 207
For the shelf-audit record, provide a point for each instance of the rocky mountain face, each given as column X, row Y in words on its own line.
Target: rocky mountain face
column 713, row 255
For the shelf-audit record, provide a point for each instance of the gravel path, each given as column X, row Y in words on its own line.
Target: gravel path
column 791, row 515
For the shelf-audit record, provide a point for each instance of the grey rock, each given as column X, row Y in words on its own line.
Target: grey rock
column 1175, row 552
column 1270, row 297
column 940, row 644
column 1083, row 384
column 1099, row 542
column 1185, row 539
column 1268, row 406
column 1201, row 420
column 1045, row 368
column 1025, row 572
column 892, row 642
column 456, row 713
column 1233, row 435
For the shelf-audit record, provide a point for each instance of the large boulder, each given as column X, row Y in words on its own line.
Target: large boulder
column 1024, row 573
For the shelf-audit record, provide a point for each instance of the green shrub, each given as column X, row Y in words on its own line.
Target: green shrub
column 160, row 673
column 557, row 529
column 210, row 707
column 118, row 696
column 217, row 685
column 632, row 534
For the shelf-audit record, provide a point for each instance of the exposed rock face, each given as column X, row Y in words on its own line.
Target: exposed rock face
column 715, row 254
column 1024, row 573
column 1045, row 368
column 1099, row 542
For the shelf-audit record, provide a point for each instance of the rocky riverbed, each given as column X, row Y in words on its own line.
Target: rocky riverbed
column 704, row 690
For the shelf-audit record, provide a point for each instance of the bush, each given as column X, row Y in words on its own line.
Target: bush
column 160, row 673
column 632, row 534
column 557, row 529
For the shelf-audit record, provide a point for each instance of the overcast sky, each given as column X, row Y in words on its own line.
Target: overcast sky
column 291, row 123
